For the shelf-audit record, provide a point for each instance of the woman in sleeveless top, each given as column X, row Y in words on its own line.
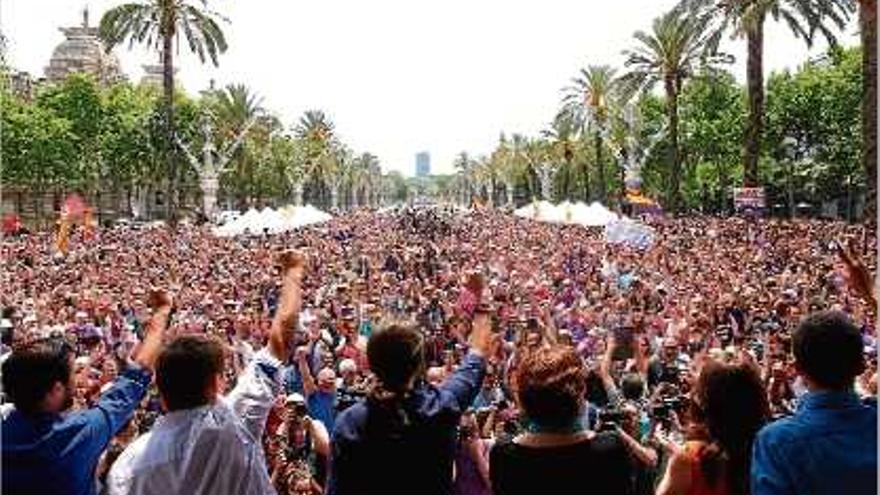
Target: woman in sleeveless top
column 729, row 406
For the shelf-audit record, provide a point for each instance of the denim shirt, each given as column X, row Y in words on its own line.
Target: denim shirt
column 828, row 447
column 371, row 456
column 57, row 453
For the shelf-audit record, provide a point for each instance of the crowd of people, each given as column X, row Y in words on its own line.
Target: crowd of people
column 432, row 350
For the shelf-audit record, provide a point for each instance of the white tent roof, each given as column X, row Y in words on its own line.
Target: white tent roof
column 273, row 221
column 579, row 213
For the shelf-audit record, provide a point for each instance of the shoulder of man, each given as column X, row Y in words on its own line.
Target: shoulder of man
column 783, row 432
column 350, row 424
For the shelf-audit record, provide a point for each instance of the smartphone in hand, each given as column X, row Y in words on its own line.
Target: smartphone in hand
column 625, row 341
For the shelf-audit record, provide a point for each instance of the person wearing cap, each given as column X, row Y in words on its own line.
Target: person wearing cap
column 47, row 452
column 300, row 448
column 352, row 345
column 320, row 390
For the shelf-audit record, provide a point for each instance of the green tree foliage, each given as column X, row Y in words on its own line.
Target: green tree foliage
column 816, row 107
column 77, row 136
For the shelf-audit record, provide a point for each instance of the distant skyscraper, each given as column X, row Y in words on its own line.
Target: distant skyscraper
column 423, row 164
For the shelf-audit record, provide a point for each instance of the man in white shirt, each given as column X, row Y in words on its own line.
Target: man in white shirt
column 207, row 444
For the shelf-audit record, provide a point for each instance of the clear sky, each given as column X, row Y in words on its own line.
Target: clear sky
column 399, row 76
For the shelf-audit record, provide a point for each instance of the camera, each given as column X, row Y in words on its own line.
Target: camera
column 610, row 419
column 666, row 406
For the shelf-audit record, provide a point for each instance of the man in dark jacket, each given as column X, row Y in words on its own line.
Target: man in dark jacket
column 402, row 439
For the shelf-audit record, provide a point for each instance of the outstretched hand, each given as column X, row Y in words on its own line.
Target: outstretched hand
column 292, row 260
column 857, row 276
column 481, row 334
column 159, row 299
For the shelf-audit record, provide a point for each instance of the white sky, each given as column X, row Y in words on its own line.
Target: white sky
column 399, row 76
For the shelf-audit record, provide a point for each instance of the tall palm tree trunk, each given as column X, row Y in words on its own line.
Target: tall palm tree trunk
column 168, row 88
column 597, row 143
column 672, row 115
column 755, row 78
column 868, row 28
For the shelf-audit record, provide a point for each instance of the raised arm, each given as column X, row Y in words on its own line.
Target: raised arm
column 116, row 406
column 281, row 333
column 147, row 351
column 257, row 387
column 468, row 378
column 302, row 362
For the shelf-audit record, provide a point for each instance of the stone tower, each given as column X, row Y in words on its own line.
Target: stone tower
column 83, row 51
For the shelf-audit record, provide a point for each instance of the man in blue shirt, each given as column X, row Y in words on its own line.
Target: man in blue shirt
column 401, row 440
column 830, row 445
column 48, row 452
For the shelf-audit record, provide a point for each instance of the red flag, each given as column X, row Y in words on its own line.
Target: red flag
column 11, row 224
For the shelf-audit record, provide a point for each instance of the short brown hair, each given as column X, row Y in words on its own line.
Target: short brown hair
column 185, row 370
column 550, row 386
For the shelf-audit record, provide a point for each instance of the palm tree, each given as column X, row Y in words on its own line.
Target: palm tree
column 747, row 18
column 157, row 24
column 562, row 143
column 515, row 162
column 587, row 102
column 238, row 108
column 372, row 175
column 322, row 157
column 675, row 49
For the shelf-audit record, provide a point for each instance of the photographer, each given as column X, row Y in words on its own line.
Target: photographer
column 664, row 366
column 628, row 416
column 728, row 407
column 301, row 450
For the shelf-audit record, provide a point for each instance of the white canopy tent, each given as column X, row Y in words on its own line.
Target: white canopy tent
column 579, row 213
column 289, row 217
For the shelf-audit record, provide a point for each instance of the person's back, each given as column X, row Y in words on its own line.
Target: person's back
column 829, row 446
column 53, row 453
column 596, row 465
column 46, row 450
column 207, row 443
column 211, row 447
column 406, row 445
column 201, row 450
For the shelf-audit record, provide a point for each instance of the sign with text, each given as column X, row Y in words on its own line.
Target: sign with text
column 749, row 198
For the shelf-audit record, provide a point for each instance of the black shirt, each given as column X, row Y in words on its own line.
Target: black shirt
column 596, row 466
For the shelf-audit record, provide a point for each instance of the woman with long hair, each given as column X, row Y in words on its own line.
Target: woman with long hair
column 728, row 407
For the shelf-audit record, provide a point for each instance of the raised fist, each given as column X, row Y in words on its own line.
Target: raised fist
column 159, row 299
column 291, row 259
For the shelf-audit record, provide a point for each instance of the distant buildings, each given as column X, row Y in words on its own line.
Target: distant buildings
column 423, row 164
column 83, row 51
